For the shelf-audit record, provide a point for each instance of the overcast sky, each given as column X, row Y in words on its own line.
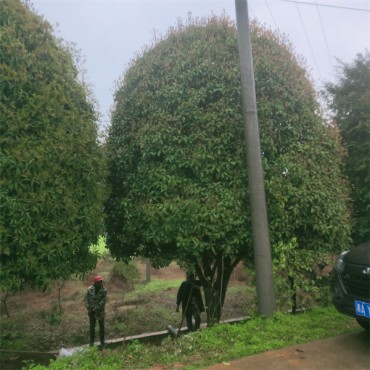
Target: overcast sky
column 110, row 32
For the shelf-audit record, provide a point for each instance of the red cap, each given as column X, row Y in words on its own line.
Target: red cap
column 98, row 278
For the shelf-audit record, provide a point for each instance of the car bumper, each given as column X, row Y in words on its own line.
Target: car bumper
column 344, row 302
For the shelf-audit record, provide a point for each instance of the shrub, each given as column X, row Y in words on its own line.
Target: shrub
column 127, row 272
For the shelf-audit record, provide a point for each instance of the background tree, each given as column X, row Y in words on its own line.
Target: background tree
column 177, row 172
column 50, row 202
column 350, row 97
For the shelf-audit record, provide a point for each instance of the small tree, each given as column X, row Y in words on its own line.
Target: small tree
column 349, row 100
column 295, row 280
column 126, row 272
column 50, row 198
column 177, row 172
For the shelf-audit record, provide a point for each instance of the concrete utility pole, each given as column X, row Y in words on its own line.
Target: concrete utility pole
column 261, row 240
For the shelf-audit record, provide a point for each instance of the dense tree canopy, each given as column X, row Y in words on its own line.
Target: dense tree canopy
column 177, row 171
column 350, row 102
column 50, row 203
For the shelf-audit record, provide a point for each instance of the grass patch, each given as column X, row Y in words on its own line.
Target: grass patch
column 222, row 342
column 154, row 286
column 241, row 289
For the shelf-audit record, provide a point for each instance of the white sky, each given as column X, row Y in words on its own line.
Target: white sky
column 110, row 32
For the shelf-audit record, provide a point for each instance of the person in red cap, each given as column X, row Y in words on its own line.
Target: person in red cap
column 95, row 299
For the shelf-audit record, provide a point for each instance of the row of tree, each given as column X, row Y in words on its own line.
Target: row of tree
column 51, row 182
column 175, row 179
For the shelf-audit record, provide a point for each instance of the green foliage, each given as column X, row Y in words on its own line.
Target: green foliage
column 296, row 284
column 220, row 343
column 176, row 156
column 126, row 271
column 349, row 100
column 100, row 248
column 50, row 197
column 52, row 317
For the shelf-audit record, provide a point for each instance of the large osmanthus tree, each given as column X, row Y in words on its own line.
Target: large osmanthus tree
column 50, row 197
column 350, row 103
column 176, row 156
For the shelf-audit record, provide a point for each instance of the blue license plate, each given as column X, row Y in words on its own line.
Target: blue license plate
column 362, row 309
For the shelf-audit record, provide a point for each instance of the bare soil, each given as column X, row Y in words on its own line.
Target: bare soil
column 34, row 323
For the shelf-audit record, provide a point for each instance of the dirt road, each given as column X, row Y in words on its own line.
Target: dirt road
column 349, row 351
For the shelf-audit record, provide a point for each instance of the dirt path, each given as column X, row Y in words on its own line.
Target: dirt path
column 350, row 351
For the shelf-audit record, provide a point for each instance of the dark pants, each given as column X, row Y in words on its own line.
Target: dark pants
column 93, row 320
column 190, row 313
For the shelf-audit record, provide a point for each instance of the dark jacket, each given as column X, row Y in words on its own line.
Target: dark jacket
column 189, row 296
column 95, row 301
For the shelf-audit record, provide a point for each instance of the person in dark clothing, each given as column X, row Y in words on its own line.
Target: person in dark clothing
column 190, row 298
column 95, row 300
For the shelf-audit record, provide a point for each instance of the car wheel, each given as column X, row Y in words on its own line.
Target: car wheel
column 364, row 323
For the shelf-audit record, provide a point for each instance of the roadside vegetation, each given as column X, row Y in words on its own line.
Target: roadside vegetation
column 171, row 175
column 220, row 343
column 176, row 159
column 348, row 99
column 51, row 161
column 57, row 318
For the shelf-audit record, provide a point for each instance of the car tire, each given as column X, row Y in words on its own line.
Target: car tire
column 364, row 323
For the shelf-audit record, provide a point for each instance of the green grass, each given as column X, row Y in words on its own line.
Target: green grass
column 220, row 343
column 242, row 289
column 100, row 246
column 154, row 286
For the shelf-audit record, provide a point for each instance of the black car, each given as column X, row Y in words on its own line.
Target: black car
column 351, row 284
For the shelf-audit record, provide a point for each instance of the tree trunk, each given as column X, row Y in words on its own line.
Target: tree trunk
column 60, row 284
column 4, row 299
column 214, row 274
column 213, row 302
column 294, row 295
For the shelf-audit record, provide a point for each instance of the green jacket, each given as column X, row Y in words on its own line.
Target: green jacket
column 95, row 301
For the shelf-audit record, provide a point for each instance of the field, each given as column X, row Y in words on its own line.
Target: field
column 35, row 323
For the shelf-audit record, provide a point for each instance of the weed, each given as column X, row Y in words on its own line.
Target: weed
column 78, row 339
column 220, row 343
column 54, row 316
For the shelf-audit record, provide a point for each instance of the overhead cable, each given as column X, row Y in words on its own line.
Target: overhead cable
column 272, row 16
column 327, row 5
column 324, row 33
column 308, row 38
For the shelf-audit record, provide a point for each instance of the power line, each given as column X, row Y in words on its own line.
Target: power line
column 327, row 5
column 324, row 33
column 308, row 38
column 251, row 11
column 272, row 16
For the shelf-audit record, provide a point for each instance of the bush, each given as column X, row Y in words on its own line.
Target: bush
column 127, row 272
column 296, row 284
